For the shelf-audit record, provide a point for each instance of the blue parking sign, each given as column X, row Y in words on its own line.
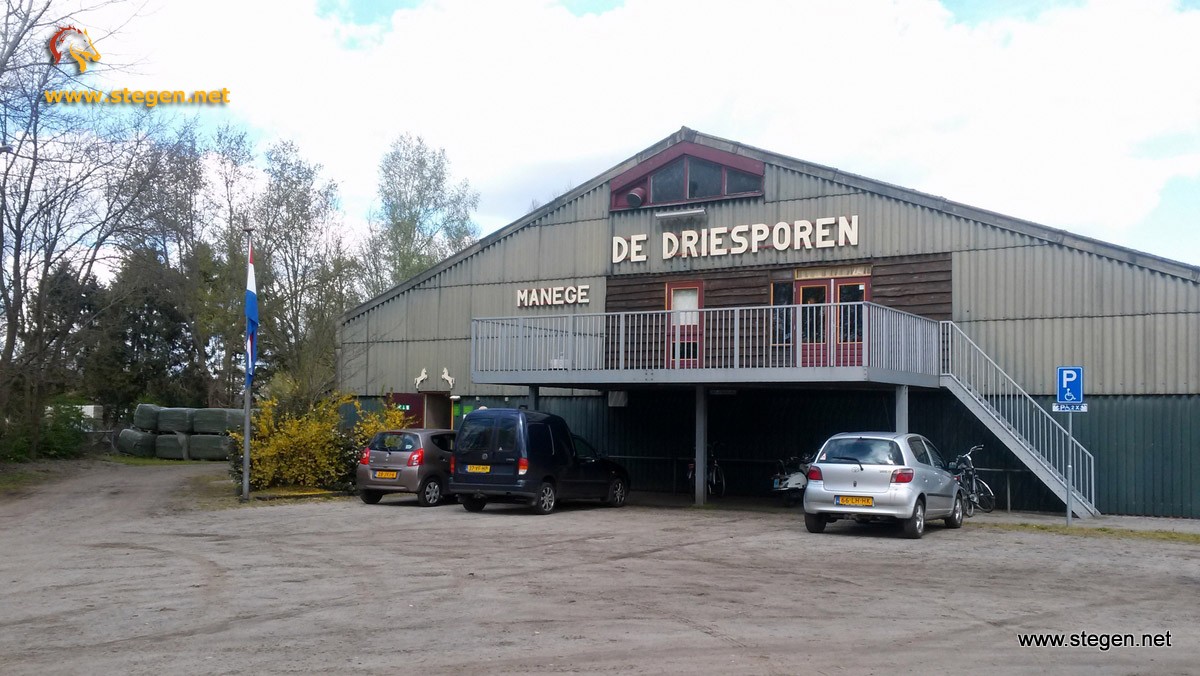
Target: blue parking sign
column 1070, row 384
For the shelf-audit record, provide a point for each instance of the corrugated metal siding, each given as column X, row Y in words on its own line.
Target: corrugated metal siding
column 1148, row 354
column 1147, row 453
column 1051, row 280
column 886, row 227
column 1034, row 308
column 1147, row 449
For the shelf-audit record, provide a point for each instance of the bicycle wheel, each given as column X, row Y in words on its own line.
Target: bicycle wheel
column 716, row 482
column 987, row 499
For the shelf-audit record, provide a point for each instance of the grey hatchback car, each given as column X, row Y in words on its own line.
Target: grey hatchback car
column 406, row 461
column 869, row 476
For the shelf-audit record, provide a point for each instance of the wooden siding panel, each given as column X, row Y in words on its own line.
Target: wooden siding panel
column 921, row 285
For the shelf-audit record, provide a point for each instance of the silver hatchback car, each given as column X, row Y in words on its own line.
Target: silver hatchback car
column 406, row 461
column 868, row 476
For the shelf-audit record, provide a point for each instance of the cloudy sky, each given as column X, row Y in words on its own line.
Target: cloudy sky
column 1080, row 115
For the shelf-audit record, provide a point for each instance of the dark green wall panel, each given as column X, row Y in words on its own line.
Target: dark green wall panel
column 1146, row 448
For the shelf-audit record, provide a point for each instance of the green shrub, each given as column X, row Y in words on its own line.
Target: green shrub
column 61, row 436
column 310, row 449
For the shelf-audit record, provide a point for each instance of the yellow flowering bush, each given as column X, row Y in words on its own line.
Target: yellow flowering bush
column 311, row 449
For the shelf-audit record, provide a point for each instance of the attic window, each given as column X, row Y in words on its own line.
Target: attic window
column 704, row 180
column 687, row 173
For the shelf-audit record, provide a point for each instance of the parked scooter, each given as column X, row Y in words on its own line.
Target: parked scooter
column 791, row 478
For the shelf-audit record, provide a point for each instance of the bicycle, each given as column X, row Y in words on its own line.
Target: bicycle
column 979, row 494
column 716, row 476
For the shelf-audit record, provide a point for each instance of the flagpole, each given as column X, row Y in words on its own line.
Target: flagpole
column 246, row 430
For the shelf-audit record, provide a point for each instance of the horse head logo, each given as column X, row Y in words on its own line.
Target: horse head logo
column 81, row 54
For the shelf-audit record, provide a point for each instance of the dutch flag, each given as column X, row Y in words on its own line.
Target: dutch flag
column 251, row 320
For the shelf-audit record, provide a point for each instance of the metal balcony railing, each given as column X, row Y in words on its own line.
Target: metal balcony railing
column 778, row 339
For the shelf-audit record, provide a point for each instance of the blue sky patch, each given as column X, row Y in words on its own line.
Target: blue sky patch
column 975, row 12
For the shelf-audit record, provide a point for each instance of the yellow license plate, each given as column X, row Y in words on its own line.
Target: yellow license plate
column 854, row 500
column 385, row 475
column 479, row 469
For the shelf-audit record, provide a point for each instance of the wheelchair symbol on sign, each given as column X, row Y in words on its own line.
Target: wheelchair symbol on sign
column 1069, row 396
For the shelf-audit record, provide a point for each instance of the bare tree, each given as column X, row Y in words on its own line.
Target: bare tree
column 305, row 274
column 422, row 219
column 66, row 190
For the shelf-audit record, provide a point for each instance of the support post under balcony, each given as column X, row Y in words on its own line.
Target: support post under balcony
column 902, row 409
column 701, row 444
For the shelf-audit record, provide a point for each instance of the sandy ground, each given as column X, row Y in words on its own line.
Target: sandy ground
column 112, row 570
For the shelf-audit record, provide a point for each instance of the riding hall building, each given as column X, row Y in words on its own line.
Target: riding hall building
column 708, row 295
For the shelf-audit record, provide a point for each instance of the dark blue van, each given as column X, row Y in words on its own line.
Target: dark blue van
column 517, row 455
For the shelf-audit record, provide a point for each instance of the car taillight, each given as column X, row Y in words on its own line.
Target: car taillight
column 452, row 464
column 522, row 466
column 416, row 457
column 366, row 456
column 814, row 474
column 902, row 476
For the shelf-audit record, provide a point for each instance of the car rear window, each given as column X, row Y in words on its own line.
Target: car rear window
column 865, row 451
column 395, row 441
column 443, row 441
column 475, row 435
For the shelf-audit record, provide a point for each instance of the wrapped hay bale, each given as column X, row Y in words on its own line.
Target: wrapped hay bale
column 176, row 419
column 136, row 442
column 209, row 447
column 171, row 446
column 237, row 418
column 145, row 417
column 216, row 420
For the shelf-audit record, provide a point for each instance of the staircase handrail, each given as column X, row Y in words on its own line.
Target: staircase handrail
column 1081, row 477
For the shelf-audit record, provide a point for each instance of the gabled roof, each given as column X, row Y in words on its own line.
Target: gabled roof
column 686, row 135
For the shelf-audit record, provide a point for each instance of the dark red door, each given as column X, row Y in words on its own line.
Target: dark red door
column 829, row 325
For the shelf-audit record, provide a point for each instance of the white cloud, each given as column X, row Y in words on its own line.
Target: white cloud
column 1043, row 118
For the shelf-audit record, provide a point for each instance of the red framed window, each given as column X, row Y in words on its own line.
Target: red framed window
column 687, row 172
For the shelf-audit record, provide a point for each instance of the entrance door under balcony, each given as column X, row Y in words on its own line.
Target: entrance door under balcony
column 827, row 331
column 685, row 328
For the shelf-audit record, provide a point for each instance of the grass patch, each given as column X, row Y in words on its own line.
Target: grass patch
column 1100, row 532
column 13, row 478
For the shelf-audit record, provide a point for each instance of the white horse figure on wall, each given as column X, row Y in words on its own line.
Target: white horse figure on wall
column 420, row 379
column 447, row 377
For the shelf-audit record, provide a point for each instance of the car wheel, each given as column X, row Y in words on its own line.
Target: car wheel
column 914, row 526
column 815, row 523
column 793, row 497
column 618, row 490
column 956, row 517
column 546, row 498
column 429, row 493
column 472, row 503
column 370, row 497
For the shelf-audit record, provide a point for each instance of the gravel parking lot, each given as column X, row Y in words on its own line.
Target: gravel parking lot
column 116, row 570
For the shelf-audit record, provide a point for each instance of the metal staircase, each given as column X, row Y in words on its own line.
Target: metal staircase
column 1030, row 432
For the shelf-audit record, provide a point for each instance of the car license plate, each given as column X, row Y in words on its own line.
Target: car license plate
column 479, row 469
column 385, row 475
column 856, row 500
